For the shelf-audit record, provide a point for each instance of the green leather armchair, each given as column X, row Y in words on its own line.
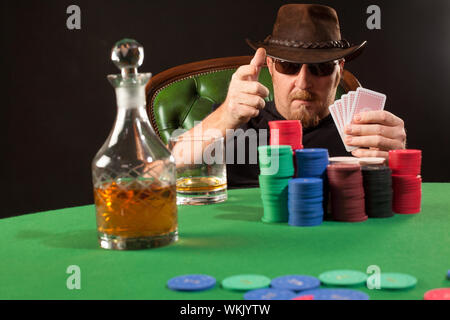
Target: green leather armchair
column 181, row 95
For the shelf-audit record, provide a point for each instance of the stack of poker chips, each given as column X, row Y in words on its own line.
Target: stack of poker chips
column 406, row 180
column 276, row 169
column 377, row 191
column 347, row 192
column 312, row 163
column 305, row 199
column 286, row 132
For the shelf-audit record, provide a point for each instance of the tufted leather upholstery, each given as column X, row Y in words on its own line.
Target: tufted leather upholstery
column 179, row 96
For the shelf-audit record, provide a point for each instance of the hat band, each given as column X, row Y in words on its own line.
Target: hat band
column 343, row 44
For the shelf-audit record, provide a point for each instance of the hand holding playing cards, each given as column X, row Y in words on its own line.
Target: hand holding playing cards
column 380, row 131
column 245, row 94
column 362, row 123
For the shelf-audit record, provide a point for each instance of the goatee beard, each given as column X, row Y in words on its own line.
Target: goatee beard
column 309, row 118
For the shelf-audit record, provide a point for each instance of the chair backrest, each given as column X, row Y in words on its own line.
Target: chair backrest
column 179, row 96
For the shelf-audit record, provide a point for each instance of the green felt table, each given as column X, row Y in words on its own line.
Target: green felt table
column 221, row 240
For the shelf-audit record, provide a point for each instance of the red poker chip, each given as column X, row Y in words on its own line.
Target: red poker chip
column 437, row 294
column 407, row 194
column 285, row 128
column 294, row 136
column 287, row 142
column 349, row 174
column 344, row 167
column 286, row 136
column 286, row 133
column 285, row 124
column 294, row 146
column 406, row 211
column 405, row 153
column 290, row 138
column 407, row 178
column 305, row 297
column 405, row 162
column 289, row 133
column 363, row 217
column 347, row 193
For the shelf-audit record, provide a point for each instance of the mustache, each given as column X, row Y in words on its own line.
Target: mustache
column 302, row 95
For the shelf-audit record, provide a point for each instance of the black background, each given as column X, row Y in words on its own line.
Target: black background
column 58, row 108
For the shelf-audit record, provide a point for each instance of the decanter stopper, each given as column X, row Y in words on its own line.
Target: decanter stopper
column 127, row 55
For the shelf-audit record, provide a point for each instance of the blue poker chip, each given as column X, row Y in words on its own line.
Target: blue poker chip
column 305, row 202
column 305, row 184
column 270, row 294
column 295, row 282
column 296, row 221
column 304, row 223
column 305, row 207
column 335, row 294
column 311, row 162
column 300, row 203
column 191, row 282
column 448, row 275
column 305, row 215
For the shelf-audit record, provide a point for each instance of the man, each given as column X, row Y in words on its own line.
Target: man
column 305, row 56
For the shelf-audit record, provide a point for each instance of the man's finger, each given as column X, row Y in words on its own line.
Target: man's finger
column 246, row 72
column 374, row 142
column 248, row 111
column 254, row 87
column 362, row 153
column 378, row 117
column 252, row 100
column 259, row 58
column 373, row 130
column 258, row 61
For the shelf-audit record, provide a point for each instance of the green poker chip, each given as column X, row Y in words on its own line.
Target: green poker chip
column 245, row 282
column 343, row 278
column 275, row 161
column 278, row 149
column 397, row 281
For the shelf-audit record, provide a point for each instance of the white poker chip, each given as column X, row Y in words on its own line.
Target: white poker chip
column 343, row 160
column 362, row 161
column 371, row 161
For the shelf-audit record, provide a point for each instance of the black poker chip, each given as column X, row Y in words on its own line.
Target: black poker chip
column 377, row 182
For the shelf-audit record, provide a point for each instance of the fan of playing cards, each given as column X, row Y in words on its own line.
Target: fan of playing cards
column 352, row 103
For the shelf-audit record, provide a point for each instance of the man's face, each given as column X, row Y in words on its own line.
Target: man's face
column 304, row 96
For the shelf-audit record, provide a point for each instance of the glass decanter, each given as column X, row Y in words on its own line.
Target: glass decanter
column 133, row 172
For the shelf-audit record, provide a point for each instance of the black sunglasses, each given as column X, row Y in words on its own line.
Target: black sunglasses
column 317, row 69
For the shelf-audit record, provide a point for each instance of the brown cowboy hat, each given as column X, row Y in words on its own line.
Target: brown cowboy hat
column 307, row 33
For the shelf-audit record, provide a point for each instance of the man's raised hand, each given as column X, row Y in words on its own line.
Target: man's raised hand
column 246, row 95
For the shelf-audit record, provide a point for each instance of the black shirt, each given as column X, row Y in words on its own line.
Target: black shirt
column 324, row 135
